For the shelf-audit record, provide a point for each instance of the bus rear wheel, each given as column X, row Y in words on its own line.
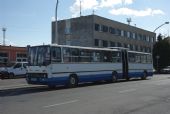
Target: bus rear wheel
column 144, row 76
column 114, row 77
column 73, row 81
column 11, row 75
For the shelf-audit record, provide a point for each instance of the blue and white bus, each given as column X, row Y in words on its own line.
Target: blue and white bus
column 70, row 65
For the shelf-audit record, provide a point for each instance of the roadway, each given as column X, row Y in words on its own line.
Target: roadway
column 150, row 96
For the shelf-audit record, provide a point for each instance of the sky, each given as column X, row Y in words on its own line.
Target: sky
column 28, row 22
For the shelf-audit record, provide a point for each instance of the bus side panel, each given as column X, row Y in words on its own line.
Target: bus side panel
column 137, row 70
column 86, row 72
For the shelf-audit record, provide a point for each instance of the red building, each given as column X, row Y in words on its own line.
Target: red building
column 11, row 54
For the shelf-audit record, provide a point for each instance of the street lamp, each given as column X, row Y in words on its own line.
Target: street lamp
column 161, row 26
column 56, row 25
column 4, row 30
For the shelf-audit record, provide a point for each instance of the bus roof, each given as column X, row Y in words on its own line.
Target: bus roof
column 95, row 48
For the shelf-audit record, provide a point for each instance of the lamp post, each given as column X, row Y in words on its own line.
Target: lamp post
column 56, row 24
column 161, row 26
column 4, row 30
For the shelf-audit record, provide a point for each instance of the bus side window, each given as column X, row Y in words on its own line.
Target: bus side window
column 131, row 57
column 96, row 56
column 116, row 57
column 56, row 54
column 66, row 54
column 74, row 55
column 107, row 56
column 138, row 58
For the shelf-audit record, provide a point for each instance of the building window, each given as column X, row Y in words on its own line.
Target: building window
column 105, row 43
column 125, row 46
column 136, row 36
column 112, row 44
column 118, row 32
column 21, row 57
column 104, row 28
column 112, row 30
column 131, row 35
column 125, row 33
column 3, row 58
column 96, row 42
column 144, row 37
column 136, row 48
column 131, row 47
column 139, row 37
column 97, row 27
column 119, row 44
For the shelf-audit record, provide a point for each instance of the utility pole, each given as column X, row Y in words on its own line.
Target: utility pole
column 4, row 30
column 56, row 25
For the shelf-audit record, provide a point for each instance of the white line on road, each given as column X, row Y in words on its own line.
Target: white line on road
column 127, row 90
column 63, row 103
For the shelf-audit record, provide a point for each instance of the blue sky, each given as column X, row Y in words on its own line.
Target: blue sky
column 28, row 22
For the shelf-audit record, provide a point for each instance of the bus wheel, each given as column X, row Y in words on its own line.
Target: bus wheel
column 144, row 76
column 73, row 81
column 11, row 75
column 114, row 77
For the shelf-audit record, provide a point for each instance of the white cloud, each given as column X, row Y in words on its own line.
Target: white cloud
column 132, row 12
column 109, row 3
column 85, row 5
column 95, row 4
column 127, row 1
column 122, row 10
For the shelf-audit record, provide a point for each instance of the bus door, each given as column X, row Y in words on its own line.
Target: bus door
column 125, row 64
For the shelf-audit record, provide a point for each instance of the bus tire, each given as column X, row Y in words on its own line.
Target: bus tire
column 114, row 77
column 11, row 75
column 144, row 75
column 73, row 81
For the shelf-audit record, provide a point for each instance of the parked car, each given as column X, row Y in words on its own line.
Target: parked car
column 18, row 69
column 166, row 70
column 3, row 73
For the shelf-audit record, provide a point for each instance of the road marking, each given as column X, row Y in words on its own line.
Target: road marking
column 63, row 103
column 127, row 90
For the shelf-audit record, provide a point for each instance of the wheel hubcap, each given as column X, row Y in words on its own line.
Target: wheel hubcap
column 72, row 80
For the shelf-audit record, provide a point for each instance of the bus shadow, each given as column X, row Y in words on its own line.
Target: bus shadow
column 39, row 89
column 27, row 90
column 105, row 82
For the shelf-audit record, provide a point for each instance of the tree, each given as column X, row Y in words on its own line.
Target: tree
column 161, row 49
column 159, row 37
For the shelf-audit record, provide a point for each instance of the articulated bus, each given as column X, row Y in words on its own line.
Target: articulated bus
column 71, row 65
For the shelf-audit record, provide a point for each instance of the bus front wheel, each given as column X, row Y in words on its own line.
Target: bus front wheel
column 73, row 81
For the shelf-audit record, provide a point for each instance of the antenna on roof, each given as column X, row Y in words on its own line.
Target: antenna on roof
column 93, row 12
column 80, row 8
column 129, row 20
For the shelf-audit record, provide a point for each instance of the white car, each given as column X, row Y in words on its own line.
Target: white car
column 18, row 69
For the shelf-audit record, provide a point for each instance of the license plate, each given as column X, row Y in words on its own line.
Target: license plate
column 33, row 79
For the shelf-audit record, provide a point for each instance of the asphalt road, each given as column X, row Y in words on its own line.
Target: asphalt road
column 150, row 96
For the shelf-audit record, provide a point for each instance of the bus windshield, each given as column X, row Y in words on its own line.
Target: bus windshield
column 39, row 56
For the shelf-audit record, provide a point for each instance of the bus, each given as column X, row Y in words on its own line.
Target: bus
column 71, row 65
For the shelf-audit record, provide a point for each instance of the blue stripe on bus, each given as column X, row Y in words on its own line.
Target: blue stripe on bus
column 84, row 78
